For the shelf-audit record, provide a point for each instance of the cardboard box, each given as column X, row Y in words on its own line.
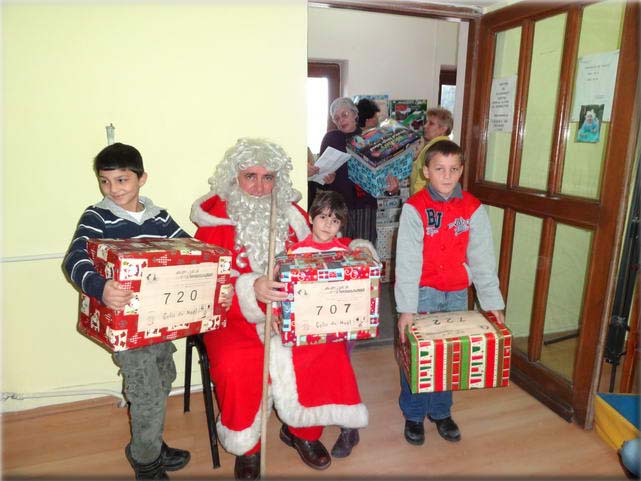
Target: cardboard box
column 387, row 273
column 386, row 235
column 374, row 179
column 332, row 296
column 380, row 151
column 389, row 202
column 177, row 285
column 454, row 351
column 385, row 216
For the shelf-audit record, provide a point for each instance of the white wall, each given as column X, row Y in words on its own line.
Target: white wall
column 383, row 54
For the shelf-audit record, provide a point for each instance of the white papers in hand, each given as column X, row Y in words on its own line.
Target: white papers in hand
column 327, row 163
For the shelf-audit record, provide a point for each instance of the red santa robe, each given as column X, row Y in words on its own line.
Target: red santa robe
column 309, row 385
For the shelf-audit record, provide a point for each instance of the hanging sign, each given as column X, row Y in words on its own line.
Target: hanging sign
column 502, row 104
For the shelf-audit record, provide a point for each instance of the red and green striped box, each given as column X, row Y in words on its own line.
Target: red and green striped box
column 454, row 351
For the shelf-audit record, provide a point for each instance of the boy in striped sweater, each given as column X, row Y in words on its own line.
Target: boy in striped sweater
column 149, row 371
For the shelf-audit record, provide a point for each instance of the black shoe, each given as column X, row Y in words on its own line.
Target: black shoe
column 347, row 439
column 153, row 470
column 247, row 467
column 447, row 428
column 173, row 459
column 414, row 432
column 313, row 453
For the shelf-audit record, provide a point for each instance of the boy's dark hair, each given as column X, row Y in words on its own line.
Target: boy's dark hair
column 119, row 156
column 443, row 147
column 366, row 110
column 332, row 201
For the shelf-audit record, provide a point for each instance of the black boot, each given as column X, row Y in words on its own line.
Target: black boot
column 247, row 467
column 173, row 459
column 153, row 470
column 347, row 439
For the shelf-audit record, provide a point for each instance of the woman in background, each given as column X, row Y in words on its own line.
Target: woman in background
column 362, row 206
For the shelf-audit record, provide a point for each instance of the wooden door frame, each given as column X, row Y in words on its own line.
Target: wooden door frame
column 572, row 401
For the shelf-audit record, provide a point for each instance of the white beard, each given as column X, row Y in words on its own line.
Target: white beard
column 251, row 216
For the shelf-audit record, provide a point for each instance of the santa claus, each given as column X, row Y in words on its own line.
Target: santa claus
column 310, row 386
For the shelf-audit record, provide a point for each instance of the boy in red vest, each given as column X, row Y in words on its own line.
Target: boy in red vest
column 444, row 245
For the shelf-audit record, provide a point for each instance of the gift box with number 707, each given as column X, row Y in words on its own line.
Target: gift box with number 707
column 177, row 285
column 332, row 296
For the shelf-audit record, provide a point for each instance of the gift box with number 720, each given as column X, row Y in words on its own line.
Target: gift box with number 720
column 177, row 285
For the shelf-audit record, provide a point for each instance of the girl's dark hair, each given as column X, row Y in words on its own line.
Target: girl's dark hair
column 332, row 201
column 366, row 110
column 119, row 156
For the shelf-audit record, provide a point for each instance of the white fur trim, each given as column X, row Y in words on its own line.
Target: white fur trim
column 247, row 297
column 239, row 442
column 364, row 244
column 298, row 222
column 285, row 392
column 201, row 218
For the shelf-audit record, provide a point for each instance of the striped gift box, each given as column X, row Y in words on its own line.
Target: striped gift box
column 454, row 351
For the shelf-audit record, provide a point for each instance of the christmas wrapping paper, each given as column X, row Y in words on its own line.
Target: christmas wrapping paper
column 454, row 351
column 374, row 179
column 177, row 284
column 332, row 296
column 375, row 146
column 387, row 272
column 378, row 152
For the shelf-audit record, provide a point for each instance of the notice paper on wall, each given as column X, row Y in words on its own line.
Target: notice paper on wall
column 595, row 79
column 502, row 104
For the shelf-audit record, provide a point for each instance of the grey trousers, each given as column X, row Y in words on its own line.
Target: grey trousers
column 148, row 373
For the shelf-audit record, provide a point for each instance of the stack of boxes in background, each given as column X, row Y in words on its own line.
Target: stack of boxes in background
column 387, row 216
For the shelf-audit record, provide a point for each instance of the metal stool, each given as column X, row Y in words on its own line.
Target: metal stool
column 197, row 342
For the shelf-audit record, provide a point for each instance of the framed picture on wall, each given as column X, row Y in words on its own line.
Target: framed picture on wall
column 590, row 119
column 380, row 100
column 410, row 113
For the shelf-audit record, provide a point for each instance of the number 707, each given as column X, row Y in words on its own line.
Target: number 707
column 333, row 309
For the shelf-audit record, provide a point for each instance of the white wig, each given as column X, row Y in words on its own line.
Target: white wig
column 251, row 214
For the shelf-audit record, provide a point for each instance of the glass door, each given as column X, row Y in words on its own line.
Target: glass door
column 552, row 162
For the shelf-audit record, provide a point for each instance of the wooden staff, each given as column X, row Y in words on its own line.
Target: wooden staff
column 267, row 337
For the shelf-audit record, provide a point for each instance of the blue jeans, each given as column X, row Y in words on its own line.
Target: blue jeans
column 436, row 405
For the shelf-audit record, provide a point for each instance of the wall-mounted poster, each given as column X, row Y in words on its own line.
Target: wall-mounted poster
column 590, row 119
column 410, row 113
column 380, row 100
